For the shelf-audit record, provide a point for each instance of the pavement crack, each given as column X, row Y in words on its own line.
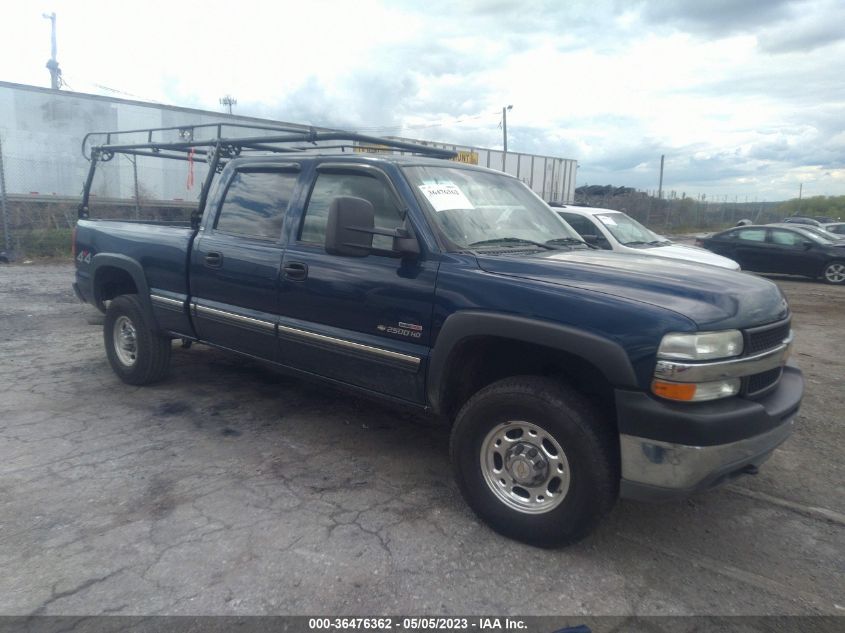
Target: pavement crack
column 70, row 592
column 814, row 512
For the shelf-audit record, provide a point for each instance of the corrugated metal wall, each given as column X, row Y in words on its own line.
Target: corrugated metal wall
column 42, row 131
column 552, row 178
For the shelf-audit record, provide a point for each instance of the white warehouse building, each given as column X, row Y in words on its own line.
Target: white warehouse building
column 41, row 133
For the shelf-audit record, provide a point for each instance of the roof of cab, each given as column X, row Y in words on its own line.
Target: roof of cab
column 356, row 157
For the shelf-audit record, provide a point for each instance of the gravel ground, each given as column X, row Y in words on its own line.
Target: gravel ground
column 230, row 489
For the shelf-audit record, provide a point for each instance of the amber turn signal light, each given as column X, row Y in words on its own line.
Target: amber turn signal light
column 684, row 391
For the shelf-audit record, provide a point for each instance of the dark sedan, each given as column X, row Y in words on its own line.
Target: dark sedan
column 789, row 250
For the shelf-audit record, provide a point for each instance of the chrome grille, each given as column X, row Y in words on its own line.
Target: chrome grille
column 757, row 341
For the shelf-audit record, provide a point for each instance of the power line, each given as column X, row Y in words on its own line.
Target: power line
column 99, row 86
column 123, row 92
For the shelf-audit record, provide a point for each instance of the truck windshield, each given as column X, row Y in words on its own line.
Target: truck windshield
column 476, row 209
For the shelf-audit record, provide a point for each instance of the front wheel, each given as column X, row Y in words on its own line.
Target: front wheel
column 136, row 353
column 834, row 272
column 535, row 460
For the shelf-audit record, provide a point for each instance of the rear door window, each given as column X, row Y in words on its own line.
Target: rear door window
column 256, row 203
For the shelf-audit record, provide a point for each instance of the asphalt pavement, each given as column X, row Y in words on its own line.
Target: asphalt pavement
column 232, row 489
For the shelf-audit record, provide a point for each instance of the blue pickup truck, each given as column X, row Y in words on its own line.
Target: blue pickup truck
column 569, row 375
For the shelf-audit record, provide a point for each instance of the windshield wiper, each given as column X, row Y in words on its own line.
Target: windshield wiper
column 659, row 242
column 565, row 240
column 635, row 243
column 511, row 240
column 570, row 240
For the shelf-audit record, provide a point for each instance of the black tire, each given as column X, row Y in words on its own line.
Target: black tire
column 834, row 272
column 151, row 354
column 586, row 437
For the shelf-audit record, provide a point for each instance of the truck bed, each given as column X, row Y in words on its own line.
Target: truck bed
column 162, row 249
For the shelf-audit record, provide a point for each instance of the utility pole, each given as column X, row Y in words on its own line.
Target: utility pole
column 505, row 134
column 800, row 191
column 53, row 64
column 660, row 186
column 659, row 194
column 134, row 161
column 228, row 101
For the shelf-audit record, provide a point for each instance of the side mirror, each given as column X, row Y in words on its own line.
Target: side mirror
column 404, row 243
column 351, row 227
column 590, row 239
column 349, row 230
column 807, row 244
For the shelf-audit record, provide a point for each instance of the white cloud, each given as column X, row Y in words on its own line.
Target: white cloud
column 743, row 98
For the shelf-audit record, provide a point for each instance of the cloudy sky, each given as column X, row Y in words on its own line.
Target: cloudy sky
column 745, row 98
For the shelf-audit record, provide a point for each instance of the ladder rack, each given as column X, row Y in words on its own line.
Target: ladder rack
column 220, row 142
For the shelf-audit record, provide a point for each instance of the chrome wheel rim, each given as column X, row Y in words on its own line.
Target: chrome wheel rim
column 125, row 341
column 525, row 467
column 835, row 273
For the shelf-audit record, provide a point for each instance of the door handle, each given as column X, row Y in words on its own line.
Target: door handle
column 295, row 271
column 213, row 260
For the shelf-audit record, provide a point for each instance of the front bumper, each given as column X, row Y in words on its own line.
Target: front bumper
column 672, row 450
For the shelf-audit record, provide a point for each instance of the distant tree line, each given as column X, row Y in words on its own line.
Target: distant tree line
column 829, row 206
column 679, row 212
column 608, row 190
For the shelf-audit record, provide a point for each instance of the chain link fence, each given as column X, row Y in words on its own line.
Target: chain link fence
column 684, row 215
column 39, row 198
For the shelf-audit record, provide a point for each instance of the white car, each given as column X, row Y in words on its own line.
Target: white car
column 617, row 231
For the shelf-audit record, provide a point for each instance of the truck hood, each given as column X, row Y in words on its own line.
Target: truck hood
column 692, row 254
column 712, row 297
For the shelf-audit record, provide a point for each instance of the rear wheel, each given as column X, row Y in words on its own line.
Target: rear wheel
column 834, row 272
column 535, row 460
column 136, row 353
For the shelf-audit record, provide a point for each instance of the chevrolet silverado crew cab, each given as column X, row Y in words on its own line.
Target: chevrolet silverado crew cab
column 569, row 375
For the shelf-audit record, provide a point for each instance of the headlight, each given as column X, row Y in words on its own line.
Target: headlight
column 696, row 346
column 701, row 345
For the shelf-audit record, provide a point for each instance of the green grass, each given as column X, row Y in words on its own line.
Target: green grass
column 37, row 243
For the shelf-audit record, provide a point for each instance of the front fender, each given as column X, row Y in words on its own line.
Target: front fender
column 608, row 356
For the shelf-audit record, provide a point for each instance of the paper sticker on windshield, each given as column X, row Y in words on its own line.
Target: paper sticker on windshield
column 445, row 197
column 606, row 219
